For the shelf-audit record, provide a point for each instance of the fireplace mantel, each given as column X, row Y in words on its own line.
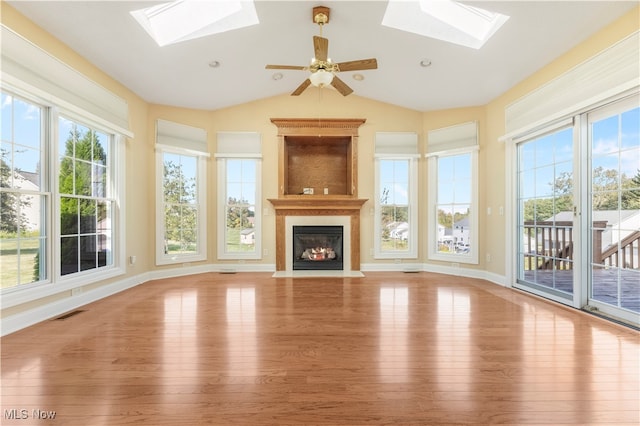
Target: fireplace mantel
column 317, row 206
column 313, row 202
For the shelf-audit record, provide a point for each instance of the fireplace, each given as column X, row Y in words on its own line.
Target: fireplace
column 318, row 186
column 317, row 248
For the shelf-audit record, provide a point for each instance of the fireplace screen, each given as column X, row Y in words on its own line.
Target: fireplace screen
column 317, row 247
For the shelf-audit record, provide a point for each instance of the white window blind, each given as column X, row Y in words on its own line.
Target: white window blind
column 609, row 73
column 460, row 136
column 28, row 67
column 175, row 135
column 239, row 144
column 393, row 143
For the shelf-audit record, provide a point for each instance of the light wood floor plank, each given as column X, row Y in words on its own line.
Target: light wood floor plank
column 385, row 349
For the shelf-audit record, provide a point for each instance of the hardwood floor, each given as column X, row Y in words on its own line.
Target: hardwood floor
column 389, row 348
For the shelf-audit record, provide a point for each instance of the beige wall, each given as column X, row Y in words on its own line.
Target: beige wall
column 255, row 116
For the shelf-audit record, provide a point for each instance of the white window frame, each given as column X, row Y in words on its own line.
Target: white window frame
column 432, row 214
column 412, row 249
column 163, row 258
column 45, row 191
column 55, row 282
column 458, row 139
column 223, row 254
column 238, row 146
column 116, row 193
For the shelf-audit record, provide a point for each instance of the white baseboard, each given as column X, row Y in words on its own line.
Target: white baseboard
column 30, row 317
column 391, row 267
column 244, row 267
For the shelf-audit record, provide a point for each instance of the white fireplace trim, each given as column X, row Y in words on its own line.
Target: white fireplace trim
column 344, row 221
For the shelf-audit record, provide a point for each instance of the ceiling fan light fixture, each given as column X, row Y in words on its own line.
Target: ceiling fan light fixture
column 321, row 78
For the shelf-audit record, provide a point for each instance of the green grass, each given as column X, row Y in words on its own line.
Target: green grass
column 233, row 242
column 391, row 245
column 9, row 261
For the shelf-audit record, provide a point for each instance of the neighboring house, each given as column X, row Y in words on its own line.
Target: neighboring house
column 248, row 236
column 461, row 232
column 30, row 210
column 457, row 238
column 399, row 230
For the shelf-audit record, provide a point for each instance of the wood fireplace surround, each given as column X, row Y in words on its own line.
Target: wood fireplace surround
column 317, row 176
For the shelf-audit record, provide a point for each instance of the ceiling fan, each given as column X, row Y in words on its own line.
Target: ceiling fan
column 323, row 70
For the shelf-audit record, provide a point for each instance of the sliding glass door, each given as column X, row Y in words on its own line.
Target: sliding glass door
column 578, row 211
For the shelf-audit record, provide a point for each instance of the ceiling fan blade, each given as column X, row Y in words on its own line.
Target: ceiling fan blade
column 301, row 88
column 285, row 67
column 362, row 64
column 341, row 86
column 320, row 48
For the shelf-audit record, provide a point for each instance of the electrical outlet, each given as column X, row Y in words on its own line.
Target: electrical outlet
column 132, row 260
column 76, row 291
column 488, row 257
column 265, row 252
column 455, row 265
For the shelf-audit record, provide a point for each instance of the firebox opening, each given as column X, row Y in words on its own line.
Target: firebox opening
column 317, row 248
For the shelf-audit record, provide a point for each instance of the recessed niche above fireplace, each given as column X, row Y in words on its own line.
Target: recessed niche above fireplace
column 318, row 157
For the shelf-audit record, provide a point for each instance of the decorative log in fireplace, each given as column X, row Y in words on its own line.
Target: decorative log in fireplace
column 317, row 248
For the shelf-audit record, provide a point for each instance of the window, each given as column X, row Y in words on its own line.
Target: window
column 86, row 202
column 396, row 200
column 60, row 200
column 239, row 219
column 453, row 188
column 181, row 193
column 23, row 200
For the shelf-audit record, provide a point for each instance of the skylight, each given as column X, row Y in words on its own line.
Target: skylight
column 445, row 20
column 182, row 20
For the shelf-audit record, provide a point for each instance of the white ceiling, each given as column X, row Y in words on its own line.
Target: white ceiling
column 107, row 35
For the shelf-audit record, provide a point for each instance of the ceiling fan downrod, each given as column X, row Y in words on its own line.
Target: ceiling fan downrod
column 321, row 16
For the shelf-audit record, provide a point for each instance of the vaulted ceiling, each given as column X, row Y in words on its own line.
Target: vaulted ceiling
column 105, row 33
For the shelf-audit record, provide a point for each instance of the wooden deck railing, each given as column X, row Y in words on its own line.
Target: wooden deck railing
column 626, row 255
column 549, row 245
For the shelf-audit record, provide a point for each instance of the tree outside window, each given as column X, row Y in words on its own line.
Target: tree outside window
column 22, row 202
column 85, row 209
column 180, row 204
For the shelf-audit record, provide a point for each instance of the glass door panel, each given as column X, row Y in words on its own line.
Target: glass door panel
column 545, row 215
column 614, row 207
